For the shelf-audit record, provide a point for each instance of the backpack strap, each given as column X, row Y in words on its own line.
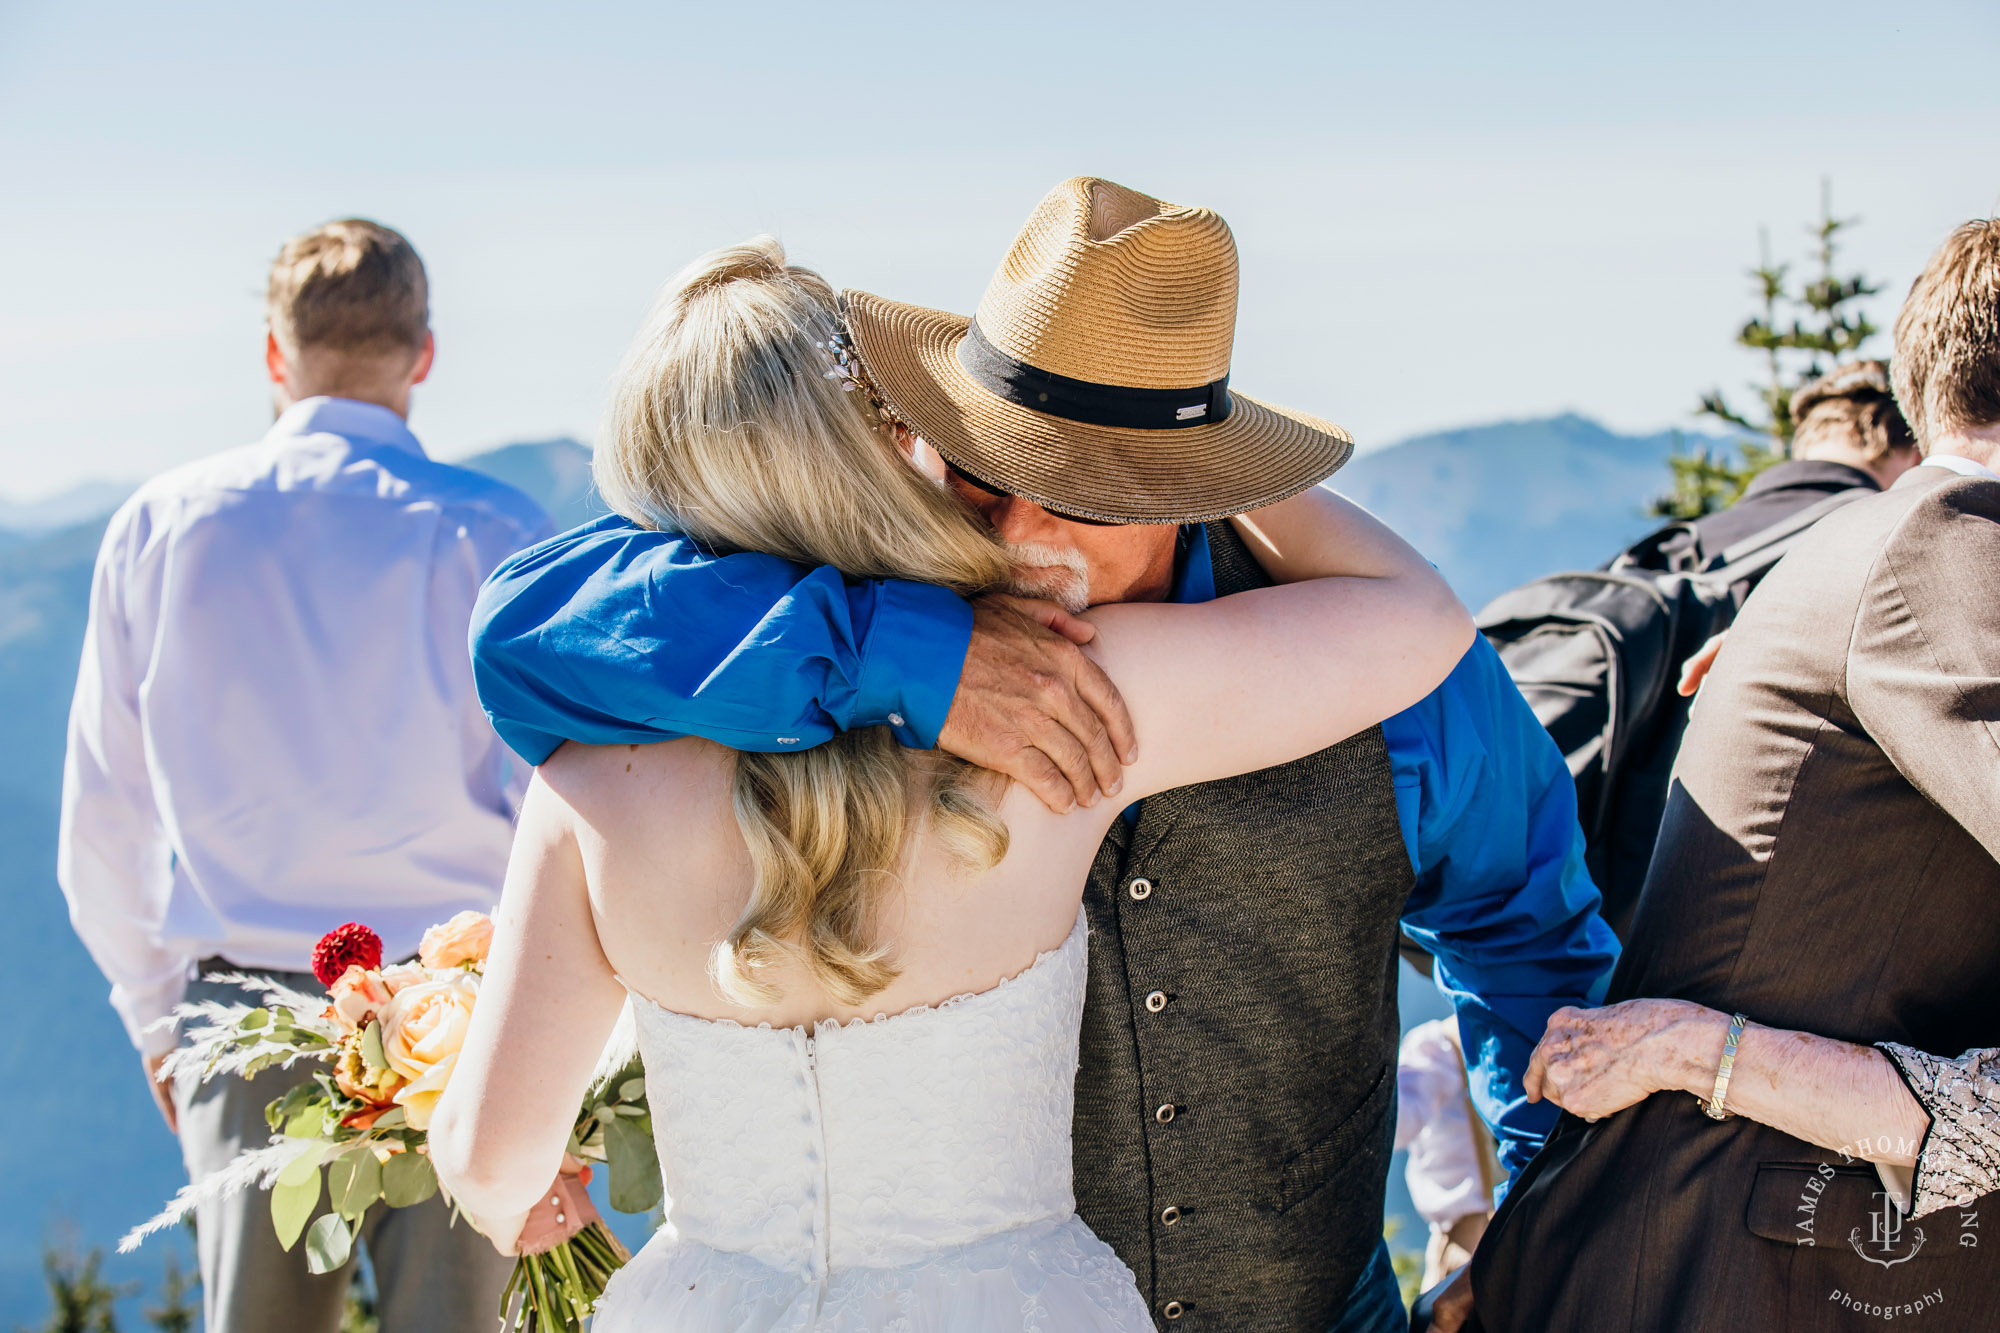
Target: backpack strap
column 1756, row 553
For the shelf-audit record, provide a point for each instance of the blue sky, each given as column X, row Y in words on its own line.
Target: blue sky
column 1447, row 213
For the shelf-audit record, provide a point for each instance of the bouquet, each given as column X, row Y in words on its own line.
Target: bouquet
column 387, row 1038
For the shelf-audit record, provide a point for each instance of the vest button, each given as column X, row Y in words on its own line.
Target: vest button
column 1170, row 1215
column 1173, row 1310
column 1156, row 1002
column 1140, row 889
column 1163, row 1115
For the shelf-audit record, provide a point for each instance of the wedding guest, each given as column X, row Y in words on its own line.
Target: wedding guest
column 1449, row 1165
column 1234, row 1107
column 275, row 732
column 1816, row 941
column 1848, row 434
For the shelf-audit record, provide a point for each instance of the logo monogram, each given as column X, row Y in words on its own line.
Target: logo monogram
column 1190, row 413
column 1885, row 1229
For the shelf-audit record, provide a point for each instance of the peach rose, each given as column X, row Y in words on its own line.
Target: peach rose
column 403, row 974
column 423, row 1027
column 463, row 939
column 357, row 995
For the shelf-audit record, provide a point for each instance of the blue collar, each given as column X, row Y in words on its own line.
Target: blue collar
column 1194, row 569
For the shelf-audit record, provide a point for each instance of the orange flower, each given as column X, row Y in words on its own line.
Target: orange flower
column 357, row 995
column 463, row 939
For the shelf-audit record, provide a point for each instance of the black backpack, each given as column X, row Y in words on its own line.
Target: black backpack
column 1598, row 655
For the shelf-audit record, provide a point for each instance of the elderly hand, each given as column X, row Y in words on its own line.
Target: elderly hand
column 1592, row 1062
column 1031, row 705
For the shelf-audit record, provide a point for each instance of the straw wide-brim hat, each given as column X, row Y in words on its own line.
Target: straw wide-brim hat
column 1094, row 379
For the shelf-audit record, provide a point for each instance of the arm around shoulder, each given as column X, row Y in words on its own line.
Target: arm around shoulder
column 1263, row 677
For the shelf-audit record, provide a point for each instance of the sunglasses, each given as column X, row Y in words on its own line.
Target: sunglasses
column 991, row 489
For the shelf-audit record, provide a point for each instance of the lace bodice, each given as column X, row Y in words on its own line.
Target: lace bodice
column 906, row 1175
column 870, row 1144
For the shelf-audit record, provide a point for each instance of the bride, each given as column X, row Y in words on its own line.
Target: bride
column 857, row 971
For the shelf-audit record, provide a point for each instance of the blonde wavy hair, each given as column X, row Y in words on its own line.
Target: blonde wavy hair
column 725, row 425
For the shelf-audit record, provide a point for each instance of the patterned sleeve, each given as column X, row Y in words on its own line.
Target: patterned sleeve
column 1960, row 1159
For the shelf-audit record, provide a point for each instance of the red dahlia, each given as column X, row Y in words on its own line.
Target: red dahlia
column 343, row 947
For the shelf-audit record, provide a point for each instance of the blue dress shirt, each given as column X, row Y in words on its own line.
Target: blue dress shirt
column 614, row 634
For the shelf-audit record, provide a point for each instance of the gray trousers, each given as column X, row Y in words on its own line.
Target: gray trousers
column 430, row 1276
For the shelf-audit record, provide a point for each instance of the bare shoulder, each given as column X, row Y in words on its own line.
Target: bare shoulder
column 601, row 782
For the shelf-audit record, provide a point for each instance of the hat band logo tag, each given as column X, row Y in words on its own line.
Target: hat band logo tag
column 1190, row 413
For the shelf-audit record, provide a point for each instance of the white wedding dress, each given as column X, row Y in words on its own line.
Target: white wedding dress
column 910, row 1174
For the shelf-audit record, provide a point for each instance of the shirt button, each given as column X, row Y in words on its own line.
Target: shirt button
column 1169, row 1216
column 1140, row 889
column 1173, row 1310
column 1163, row 1115
column 895, row 719
column 1156, row 1001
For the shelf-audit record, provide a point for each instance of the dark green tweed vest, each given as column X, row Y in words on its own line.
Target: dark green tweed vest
column 1235, row 1106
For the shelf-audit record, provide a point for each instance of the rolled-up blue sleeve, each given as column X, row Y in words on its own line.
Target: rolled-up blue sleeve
column 1503, row 901
column 615, row 634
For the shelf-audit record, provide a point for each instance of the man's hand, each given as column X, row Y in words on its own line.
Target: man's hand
column 1032, row 706
column 163, row 1093
column 1695, row 670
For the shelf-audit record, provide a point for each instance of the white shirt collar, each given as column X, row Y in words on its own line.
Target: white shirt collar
column 368, row 423
column 1964, row 467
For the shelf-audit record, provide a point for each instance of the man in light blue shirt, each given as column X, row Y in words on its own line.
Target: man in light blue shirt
column 275, row 732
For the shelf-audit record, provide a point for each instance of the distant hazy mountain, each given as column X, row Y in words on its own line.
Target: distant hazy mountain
column 78, row 504
column 556, row 472
column 1493, row 506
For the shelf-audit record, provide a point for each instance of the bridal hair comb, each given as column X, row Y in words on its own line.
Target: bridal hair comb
column 847, row 369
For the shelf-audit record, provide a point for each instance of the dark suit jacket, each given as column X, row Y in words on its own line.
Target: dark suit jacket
column 1827, row 863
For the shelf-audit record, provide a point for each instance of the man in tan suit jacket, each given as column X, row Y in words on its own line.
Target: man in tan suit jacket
column 1829, row 863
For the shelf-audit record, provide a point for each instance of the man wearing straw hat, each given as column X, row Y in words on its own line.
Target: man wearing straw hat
column 1235, row 1104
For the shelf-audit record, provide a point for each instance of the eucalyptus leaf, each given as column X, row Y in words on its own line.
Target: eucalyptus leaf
column 632, row 1090
column 393, row 1118
column 252, row 1021
column 288, row 1106
column 407, row 1178
column 307, row 1123
column 291, row 1204
column 636, row 1186
column 328, row 1244
column 304, row 1165
column 353, row 1181
column 371, row 1046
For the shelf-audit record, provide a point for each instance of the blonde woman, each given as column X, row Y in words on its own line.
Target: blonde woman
column 857, row 971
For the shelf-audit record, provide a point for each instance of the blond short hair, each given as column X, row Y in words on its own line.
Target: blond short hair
column 1947, row 367
column 352, row 286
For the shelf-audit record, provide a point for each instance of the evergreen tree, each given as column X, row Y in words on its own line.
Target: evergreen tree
column 1824, row 328
column 177, row 1311
column 81, row 1300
